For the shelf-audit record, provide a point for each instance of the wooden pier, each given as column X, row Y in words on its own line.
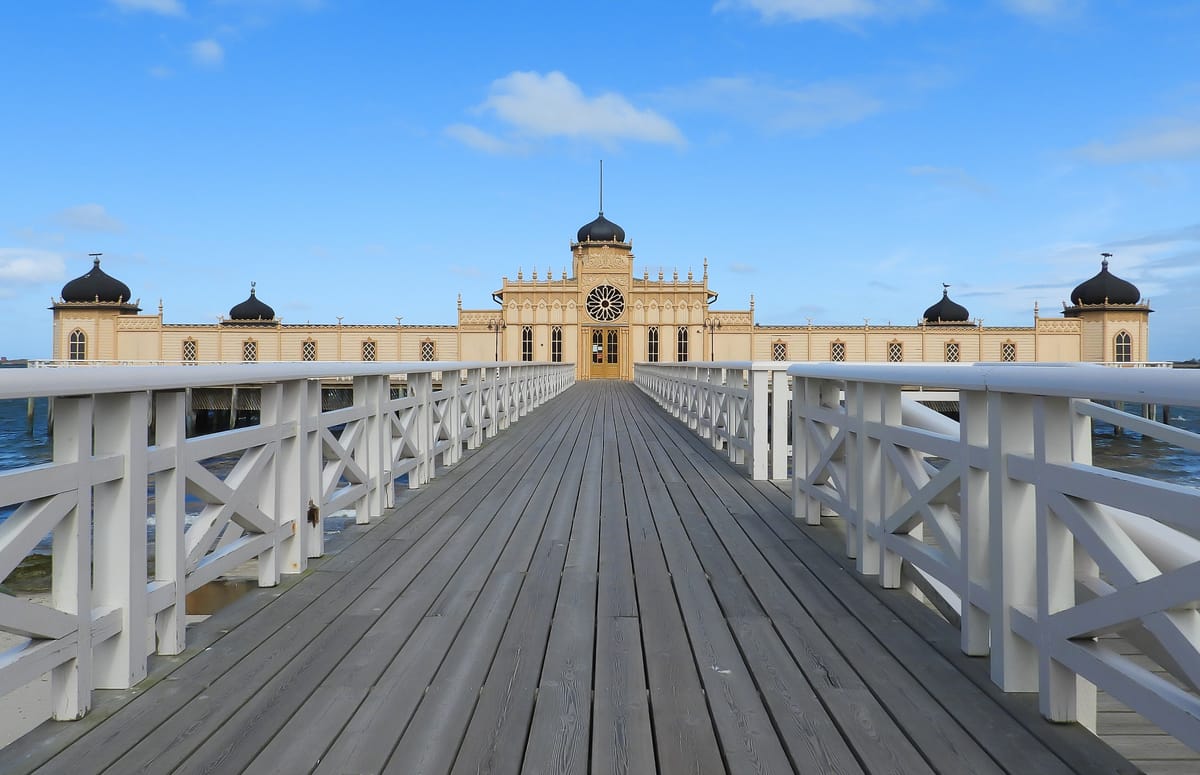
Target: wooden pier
column 594, row 590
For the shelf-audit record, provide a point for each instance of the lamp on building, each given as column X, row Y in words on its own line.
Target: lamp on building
column 713, row 325
column 497, row 326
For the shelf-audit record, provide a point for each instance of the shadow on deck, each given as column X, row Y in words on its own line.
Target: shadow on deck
column 592, row 591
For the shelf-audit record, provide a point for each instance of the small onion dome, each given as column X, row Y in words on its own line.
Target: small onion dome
column 96, row 286
column 251, row 309
column 1105, row 288
column 601, row 230
column 946, row 311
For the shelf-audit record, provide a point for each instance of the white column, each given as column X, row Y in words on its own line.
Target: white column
column 170, row 486
column 977, row 597
column 268, row 484
column 781, row 397
column 119, row 534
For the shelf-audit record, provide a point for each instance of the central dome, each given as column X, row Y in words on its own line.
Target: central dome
column 946, row 311
column 601, row 230
column 252, row 309
column 96, row 286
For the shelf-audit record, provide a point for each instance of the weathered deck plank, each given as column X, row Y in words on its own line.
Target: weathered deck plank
column 595, row 590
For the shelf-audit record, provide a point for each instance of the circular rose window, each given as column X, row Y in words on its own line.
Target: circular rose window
column 605, row 303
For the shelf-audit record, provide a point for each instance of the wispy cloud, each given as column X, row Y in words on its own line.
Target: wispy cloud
column 535, row 106
column 1164, row 139
column 740, row 267
column 775, row 108
column 825, row 10
column 89, row 217
column 208, row 53
column 162, row 7
column 27, row 266
column 950, row 177
column 465, row 271
column 1045, row 10
column 161, row 72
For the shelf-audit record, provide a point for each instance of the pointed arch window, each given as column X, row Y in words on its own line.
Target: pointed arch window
column 556, row 345
column 368, row 350
column 837, row 351
column 308, row 350
column 652, row 344
column 249, row 350
column 77, row 346
column 1008, row 351
column 1123, row 348
column 895, row 351
column 428, row 350
column 779, row 350
column 681, row 344
column 190, row 350
column 952, row 352
column 527, row 343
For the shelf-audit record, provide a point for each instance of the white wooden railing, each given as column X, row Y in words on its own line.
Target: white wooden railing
column 1034, row 551
column 740, row 406
column 106, row 612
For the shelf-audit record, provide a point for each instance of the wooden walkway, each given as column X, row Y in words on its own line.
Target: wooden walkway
column 592, row 591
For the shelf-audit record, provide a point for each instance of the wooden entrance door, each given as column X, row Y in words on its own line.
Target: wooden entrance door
column 606, row 353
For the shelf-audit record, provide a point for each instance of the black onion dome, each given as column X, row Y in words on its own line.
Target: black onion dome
column 946, row 311
column 1105, row 288
column 601, row 230
column 96, row 286
column 252, row 309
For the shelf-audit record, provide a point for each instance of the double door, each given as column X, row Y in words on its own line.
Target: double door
column 605, row 351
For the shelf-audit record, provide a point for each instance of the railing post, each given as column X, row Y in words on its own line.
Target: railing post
column 474, row 409
column 781, row 397
column 421, row 387
column 170, row 561
column 1064, row 696
column 71, row 573
column 1011, row 540
column 452, row 417
column 118, row 570
column 974, row 547
column 759, row 396
column 270, row 416
column 891, row 492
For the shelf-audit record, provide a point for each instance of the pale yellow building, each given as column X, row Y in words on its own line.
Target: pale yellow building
column 601, row 317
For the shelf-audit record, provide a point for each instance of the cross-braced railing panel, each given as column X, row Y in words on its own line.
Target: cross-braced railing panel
column 1039, row 552
column 254, row 494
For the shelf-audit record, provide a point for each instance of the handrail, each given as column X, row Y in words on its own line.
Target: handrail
column 280, row 479
column 1040, row 553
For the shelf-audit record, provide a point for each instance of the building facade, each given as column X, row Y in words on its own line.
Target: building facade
column 601, row 317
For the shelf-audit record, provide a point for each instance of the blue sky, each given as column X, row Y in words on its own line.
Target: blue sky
column 838, row 159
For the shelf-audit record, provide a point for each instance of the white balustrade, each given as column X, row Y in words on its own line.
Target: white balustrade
column 285, row 474
column 1034, row 551
column 741, row 407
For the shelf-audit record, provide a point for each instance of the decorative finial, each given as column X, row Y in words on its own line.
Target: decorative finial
column 460, row 301
column 602, row 186
column 1104, row 260
column 160, row 305
column 752, row 302
column 689, row 274
column 706, row 267
column 95, row 259
column 252, row 284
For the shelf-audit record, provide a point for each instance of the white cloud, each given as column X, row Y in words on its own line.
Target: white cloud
column 776, row 108
column 160, row 72
column 29, row 265
column 89, row 217
column 476, row 138
column 550, row 105
column 741, row 267
column 951, row 177
column 1044, row 10
column 1170, row 139
column 163, row 7
column 830, row 10
column 208, row 53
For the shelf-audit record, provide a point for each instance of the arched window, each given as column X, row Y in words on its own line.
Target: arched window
column 612, row 345
column 895, row 351
column 249, row 350
column 190, row 350
column 368, row 350
column 527, row 343
column 1124, row 347
column 652, row 344
column 952, row 352
column 681, row 346
column 77, row 346
column 779, row 350
column 308, row 350
column 837, row 351
column 1008, row 352
column 556, row 350
column 428, row 350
